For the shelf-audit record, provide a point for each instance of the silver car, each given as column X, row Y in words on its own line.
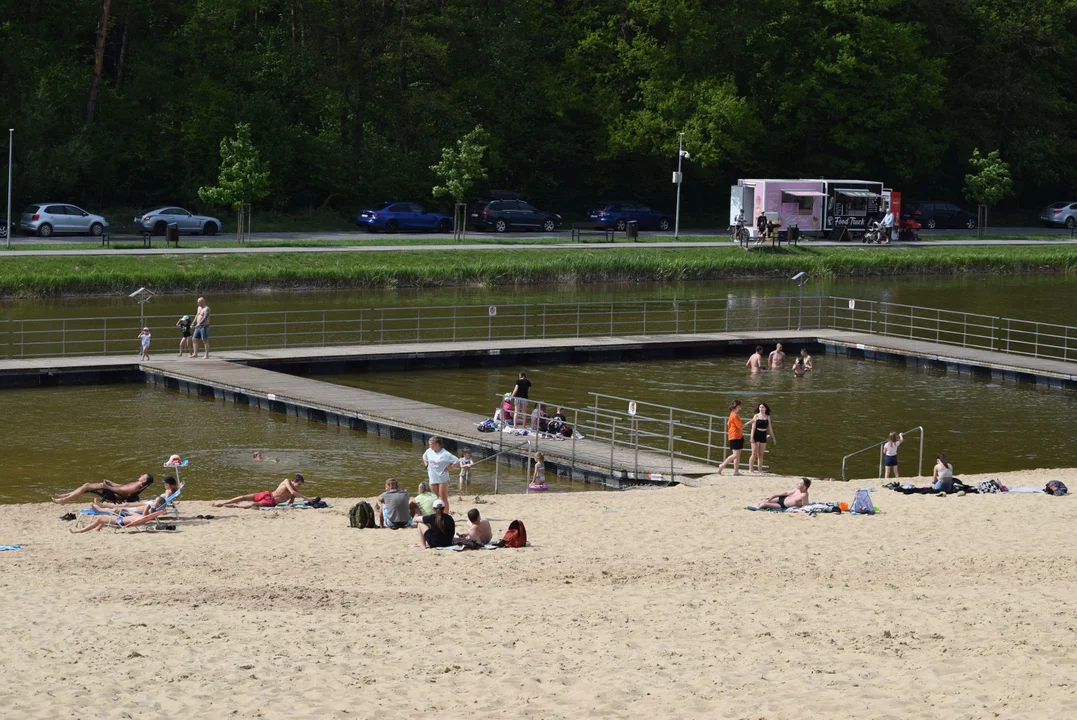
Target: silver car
column 157, row 220
column 46, row 219
column 1060, row 213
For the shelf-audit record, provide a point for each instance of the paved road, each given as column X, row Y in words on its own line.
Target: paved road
column 23, row 246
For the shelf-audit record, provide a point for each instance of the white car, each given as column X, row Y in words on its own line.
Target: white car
column 47, row 219
column 156, row 221
column 1060, row 213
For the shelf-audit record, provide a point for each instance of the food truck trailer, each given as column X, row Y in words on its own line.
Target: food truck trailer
column 816, row 207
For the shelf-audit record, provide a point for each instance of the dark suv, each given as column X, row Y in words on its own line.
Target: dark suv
column 503, row 214
column 933, row 214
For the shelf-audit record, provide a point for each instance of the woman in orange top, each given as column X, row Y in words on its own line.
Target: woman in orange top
column 735, row 432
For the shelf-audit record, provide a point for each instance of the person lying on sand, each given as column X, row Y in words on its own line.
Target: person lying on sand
column 108, row 490
column 797, row 497
column 478, row 528
column 286, row 493
column 117, row 519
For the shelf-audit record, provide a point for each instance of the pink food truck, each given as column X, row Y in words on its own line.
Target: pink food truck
column 816, row 207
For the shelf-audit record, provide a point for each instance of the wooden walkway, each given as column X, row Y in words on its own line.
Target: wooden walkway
column 400, row 418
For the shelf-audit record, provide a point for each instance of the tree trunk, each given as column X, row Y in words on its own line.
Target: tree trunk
column 293, row 25
column 98, row 61
column 123, row 59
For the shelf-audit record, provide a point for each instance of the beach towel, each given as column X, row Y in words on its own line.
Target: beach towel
column 300, row 505
column 10, row 547
column 1030, row 490
column 487, row 546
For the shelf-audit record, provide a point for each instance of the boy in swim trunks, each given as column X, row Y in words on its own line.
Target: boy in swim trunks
column 286, row 493
column 793, row 499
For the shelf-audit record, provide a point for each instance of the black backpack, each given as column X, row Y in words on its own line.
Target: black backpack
column 362, row 516
column 1056, row 487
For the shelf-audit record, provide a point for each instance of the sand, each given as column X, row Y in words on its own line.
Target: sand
column 670, row 603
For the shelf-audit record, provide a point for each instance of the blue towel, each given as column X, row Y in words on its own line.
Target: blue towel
column 10, row 547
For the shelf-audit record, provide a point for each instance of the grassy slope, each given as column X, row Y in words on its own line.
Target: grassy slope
column 91, row 274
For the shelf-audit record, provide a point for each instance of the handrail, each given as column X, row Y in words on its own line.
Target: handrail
column 880, row 444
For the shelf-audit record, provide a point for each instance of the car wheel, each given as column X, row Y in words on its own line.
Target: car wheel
column 210, row 229
column 445, row 225
column 1070, row 221
column 44, row 230
column 96, row 229
column 620, row 225
column 970, row 224
column 548, row 225
column 663, row 224
column 501, row 225
column 160, row 228
column 930, row 224
column 392, row 226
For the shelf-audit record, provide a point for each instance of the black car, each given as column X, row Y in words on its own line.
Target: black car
column 3, row 226
column 933, row 214
column 503, row 214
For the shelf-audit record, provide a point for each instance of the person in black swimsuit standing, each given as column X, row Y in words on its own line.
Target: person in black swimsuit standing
column 762, row 428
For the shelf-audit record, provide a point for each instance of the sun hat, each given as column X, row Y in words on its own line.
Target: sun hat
column 439, row 503
column 174, row 460
column 185, row 317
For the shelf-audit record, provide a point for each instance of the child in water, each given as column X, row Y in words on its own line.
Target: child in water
column 539, row 478
column 465, row 470
column 144, row 342
column 890, row 450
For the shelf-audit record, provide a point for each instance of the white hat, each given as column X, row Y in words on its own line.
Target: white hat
column 174, row 460
column 439, row 503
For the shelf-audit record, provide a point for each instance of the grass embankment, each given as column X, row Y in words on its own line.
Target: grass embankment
column 27, row 276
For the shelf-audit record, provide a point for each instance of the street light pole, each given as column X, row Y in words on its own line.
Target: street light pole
column 10, row 145
column 677, row 179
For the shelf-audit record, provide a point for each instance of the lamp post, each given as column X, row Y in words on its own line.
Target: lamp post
column 10, row 146
column 801, row 279
column 677, row 176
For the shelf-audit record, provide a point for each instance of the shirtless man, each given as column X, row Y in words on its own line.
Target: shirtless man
column 806, row 359
column 478, row 528
column 755, row 362
column 792, row 499
column 201, row 328
column 286, row 493
column 108, row 490
column 777, row 358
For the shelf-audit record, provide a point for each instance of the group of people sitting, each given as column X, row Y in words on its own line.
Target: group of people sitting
column 437, row 528
column 542, row 423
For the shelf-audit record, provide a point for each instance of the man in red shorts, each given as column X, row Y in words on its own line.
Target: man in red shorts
column 285, row 494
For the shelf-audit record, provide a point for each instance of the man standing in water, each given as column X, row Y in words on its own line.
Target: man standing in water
column 755, row 362
column 806, row 359
column 777, row 358
column 201, row 328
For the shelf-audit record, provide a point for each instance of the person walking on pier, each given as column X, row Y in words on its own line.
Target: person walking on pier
column 519, row 394
column 144, row 342
column 438, row 462
column 734, row 428
column 184, row 324
column 201, row 328
column 762, row 429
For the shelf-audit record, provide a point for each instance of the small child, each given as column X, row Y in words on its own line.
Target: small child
column 798, row 368
column 144, row 339
column 184, row 324
column 539, row 478
column 465, row 470
column 890, row 450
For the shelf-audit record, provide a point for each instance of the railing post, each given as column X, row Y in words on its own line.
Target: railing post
column 938, row 324
column 676, row 318
column 22, row 338
column 525, row 337
column 323, row 327
column 285, row 328
column 577, row 319
column 635, row 444
column 454, row 323
column 613, row 441
column 489, row 327
column 964, row 329
column 575, row 431
column 882, row 451
column 362, row 322
column 418, row 323
column 544, row 321
column 644, row 317
column 611, row 319
column 920, row 466
column 246, row 330
column 1009, row 333
column 1036, row 347
column 63, row 338
column 695, row 316
column 671, row 444
column 381, row 335
column 104, row 338
column 710, row 429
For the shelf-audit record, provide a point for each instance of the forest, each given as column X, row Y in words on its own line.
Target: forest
column 123, row 103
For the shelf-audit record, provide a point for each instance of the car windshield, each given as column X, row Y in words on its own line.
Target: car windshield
column 30, row 210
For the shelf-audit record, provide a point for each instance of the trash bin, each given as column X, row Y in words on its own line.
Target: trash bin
column 632, row 229
column 172, row 234
column 794, row 234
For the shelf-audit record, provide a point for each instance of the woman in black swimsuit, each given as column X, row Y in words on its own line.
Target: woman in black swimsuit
column 762, row 427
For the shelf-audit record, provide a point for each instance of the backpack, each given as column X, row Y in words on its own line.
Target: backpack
column 516, row 536
column 862, row 503
column 1056, row 487
column 362, row 515
column 487, row 425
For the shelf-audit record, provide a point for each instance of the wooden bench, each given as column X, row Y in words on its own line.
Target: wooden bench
column 580, row 229
column 145, row 235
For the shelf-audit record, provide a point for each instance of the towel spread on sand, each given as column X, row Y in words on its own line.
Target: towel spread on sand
column 1038, row 490
column 10, row 547
column 301, row 505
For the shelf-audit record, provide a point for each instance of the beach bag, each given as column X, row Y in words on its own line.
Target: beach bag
column 989, row 486
column 1056, row 487
column 362, row 516
column 487, row 425
column 862, row 503
column 516, row 536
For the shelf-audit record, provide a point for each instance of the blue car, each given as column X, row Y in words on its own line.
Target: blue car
column 616, row 214
column 394, row 216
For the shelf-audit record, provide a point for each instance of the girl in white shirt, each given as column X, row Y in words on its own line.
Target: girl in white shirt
column 890, row 454
column 438, row 462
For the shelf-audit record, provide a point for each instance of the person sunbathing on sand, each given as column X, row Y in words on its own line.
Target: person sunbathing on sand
column 478, row 528
column 792, row 499
column 108, row 490
column 286, row 492
column 117, row 519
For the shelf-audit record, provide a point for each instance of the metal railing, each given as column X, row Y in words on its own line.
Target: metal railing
column 881, row 445
column 952, row 327
column 50, row 337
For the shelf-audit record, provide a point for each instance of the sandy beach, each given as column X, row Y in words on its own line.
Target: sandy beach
column 671, row 603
